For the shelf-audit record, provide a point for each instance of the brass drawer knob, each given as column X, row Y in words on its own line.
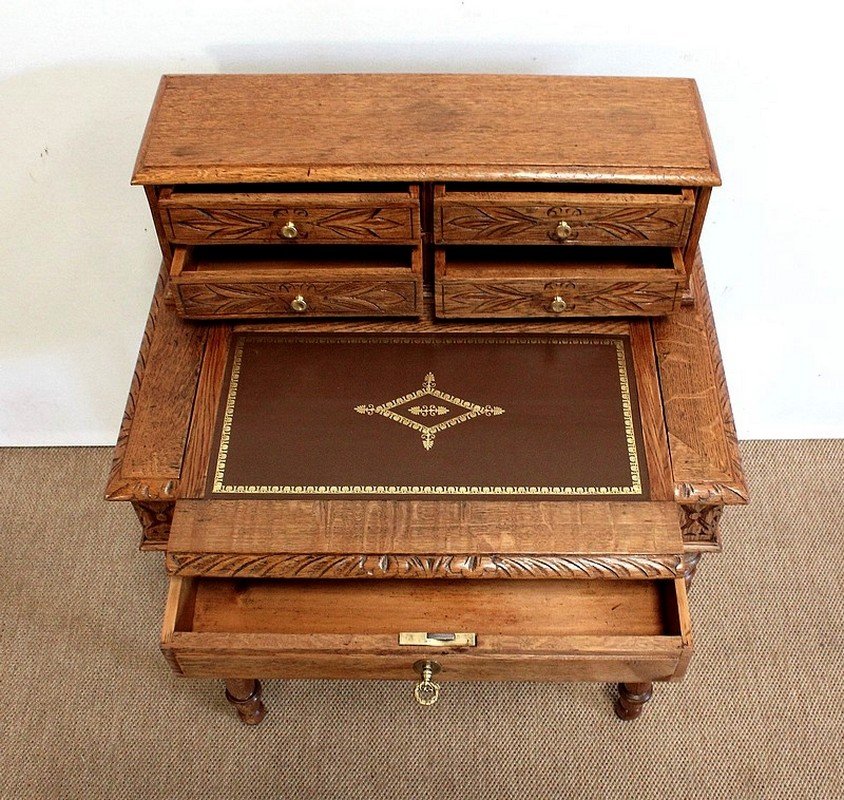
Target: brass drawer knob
column 289, row 230
column 563, row 230
column 426, row 691
column 299, row 303
column 558, row 304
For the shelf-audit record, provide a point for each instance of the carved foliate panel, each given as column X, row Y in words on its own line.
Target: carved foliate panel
column 392, row 565
column 155, row 519
column 526, row 298
column 699, row 525
column 663, row 225
column 312, row 224
column 330, row 298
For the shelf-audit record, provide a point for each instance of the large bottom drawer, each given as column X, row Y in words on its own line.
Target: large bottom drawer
column 554, row 630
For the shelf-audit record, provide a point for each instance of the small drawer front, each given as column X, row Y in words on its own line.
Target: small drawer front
column 259, row 298
column 201, row 218
column 588, row 630
column 272, row 282
column 567, row 218
column 517, row 289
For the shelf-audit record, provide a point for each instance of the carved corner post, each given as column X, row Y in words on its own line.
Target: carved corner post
column 245, row 695
column 155, row 518
column 631, row 699
column 701, row 534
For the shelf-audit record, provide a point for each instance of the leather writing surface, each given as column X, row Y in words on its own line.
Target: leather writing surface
column 506, row 416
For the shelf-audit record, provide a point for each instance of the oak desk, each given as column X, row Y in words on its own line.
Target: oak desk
column 430, row 387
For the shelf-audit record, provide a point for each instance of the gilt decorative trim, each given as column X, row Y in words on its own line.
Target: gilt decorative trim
column 220, row 486
column 395, row 565
column 429, row 389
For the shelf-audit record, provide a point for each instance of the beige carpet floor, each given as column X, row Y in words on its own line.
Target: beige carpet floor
column 89, row 708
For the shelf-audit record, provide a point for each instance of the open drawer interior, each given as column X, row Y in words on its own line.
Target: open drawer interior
column 305, row 628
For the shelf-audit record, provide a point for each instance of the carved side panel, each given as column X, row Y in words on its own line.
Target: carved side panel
column 330, row 298
column 699, row 524
column 663, row 225
column 155, row 519
column 314, row 224
column 526, row 298
column 365, row 565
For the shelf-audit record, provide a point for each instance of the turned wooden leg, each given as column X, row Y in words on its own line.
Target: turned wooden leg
column 631, row 699
column 245, row 695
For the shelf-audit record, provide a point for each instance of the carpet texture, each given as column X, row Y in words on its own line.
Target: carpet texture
column 90, row 708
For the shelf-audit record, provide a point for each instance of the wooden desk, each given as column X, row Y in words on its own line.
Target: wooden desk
column 448, row 213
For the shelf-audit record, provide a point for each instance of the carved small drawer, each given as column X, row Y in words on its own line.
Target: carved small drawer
column 569, row 215
column 615, row 630
column 535, row 282
column 251, row 214
column 269, row 281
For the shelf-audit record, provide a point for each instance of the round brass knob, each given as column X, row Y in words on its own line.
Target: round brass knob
column 563, row 230
column 558, row 304
column 299, row 303
column 289, row 230
column 426, row 691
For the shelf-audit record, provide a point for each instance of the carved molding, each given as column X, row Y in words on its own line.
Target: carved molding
column 515, row 297
column 156, row 519
column 589, row 224
column 353, row 297
column 699, row 525
column 134, row 488
column 265, row 224
column 393, row 565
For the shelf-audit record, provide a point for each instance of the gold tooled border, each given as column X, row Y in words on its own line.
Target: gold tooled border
column 635, row 488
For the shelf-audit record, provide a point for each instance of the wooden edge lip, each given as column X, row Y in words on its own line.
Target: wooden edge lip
column 712, row 493
column 147, row 174
column 142, row 149
column 707, row 136
column 473, row 566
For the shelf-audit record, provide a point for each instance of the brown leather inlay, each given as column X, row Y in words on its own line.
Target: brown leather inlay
column 508, row 416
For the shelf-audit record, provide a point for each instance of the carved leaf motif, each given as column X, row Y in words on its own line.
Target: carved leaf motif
column 495, row 222
column 623, row 223
column 357, row 222
column 232, row 298
column 330, row 565
column 228, row 224
column 489, row 298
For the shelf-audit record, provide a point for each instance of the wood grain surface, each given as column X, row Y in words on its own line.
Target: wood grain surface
column 701, row 432
column 264, row 128
column 557, row 630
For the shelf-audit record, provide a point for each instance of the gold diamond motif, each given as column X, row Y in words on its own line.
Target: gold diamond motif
column 429, row 389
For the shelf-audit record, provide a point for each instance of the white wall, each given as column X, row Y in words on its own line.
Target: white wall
column 79, row 256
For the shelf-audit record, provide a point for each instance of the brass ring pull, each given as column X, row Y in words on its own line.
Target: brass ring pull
column 426, row 691
column 558, row 304
column 299, row 303
column 563, row 230
column 289, row 230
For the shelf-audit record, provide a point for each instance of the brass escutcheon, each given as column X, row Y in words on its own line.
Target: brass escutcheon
column 289, row 230
column 426, row 691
